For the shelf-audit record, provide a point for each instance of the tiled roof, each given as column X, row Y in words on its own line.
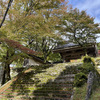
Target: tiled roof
column 24, row 49
column 66, row 45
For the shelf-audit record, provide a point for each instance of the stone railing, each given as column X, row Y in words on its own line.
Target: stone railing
column 89, row 85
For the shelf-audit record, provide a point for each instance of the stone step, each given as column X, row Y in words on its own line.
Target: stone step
column 47, row 87
column 52, row 91
column 54, row 97
column 68, row 75
column 23, row 83
column 57, row 88
column 60, row 88
column 56, row 85
column 65, row 80
column 49, row 98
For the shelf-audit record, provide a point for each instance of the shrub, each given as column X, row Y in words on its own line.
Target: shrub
column 98, row 61
column 88, row 63
column 88, row 59
column 80, row 79
column 88, row 67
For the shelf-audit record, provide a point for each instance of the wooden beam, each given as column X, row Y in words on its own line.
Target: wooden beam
column 76, row 57
column 73, row 54
column 72, row 48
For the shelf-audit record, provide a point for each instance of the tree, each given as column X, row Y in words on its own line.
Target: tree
column 26, row 17
column 43, row 37
column 39, row 28
column 13, row 52
column 80, row 27
column 5, row 59
column 55, row 57
column 45, row 45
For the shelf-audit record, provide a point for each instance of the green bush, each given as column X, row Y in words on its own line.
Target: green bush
column 88, row 64
column 97, row 61
column 80, row 79
column 88, row 59
column 87, row 68
column 54, row 57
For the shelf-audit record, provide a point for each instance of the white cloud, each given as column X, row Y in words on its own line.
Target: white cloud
column 92, row 7
column 88, row 4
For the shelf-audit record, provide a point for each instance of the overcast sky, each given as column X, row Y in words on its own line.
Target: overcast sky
column 92, row 8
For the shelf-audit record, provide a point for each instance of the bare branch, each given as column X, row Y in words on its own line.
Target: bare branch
column 9, row 4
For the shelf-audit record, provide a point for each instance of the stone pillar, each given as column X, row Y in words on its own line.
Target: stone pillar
column 89, row 85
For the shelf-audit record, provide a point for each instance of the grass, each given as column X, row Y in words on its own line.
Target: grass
column 80, row 92
column 96, row 94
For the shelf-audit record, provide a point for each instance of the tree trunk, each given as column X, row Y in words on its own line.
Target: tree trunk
column 8, row 77
column 45, row 58
column 6, row 74
column 3, row 76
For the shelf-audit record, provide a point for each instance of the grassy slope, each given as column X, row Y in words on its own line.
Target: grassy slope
column 96, row 93
column 37, row 75
column 48, row 74
column 80, row 93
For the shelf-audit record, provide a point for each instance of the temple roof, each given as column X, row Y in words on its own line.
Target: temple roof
column 66, row 45
column 70, row 46
column 28, row 51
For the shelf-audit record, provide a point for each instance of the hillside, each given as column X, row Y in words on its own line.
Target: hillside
column 41, row 82
column 47, row 82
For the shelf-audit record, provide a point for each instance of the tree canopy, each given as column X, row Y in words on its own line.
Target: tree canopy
column 26, row 21
column 79, row 27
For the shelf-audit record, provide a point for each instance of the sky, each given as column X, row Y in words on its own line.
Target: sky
column 92, row 7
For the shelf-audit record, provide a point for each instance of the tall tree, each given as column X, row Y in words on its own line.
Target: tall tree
column 79, row 27
column 38, row 27
column 24, row 19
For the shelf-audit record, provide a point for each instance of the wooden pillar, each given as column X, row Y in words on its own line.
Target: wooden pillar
column 96, row 50
column 64, row 58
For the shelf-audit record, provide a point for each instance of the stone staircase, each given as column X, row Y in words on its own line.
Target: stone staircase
column 58, row 89
column 24, row 87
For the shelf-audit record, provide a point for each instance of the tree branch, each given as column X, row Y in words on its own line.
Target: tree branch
column 9, row 4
